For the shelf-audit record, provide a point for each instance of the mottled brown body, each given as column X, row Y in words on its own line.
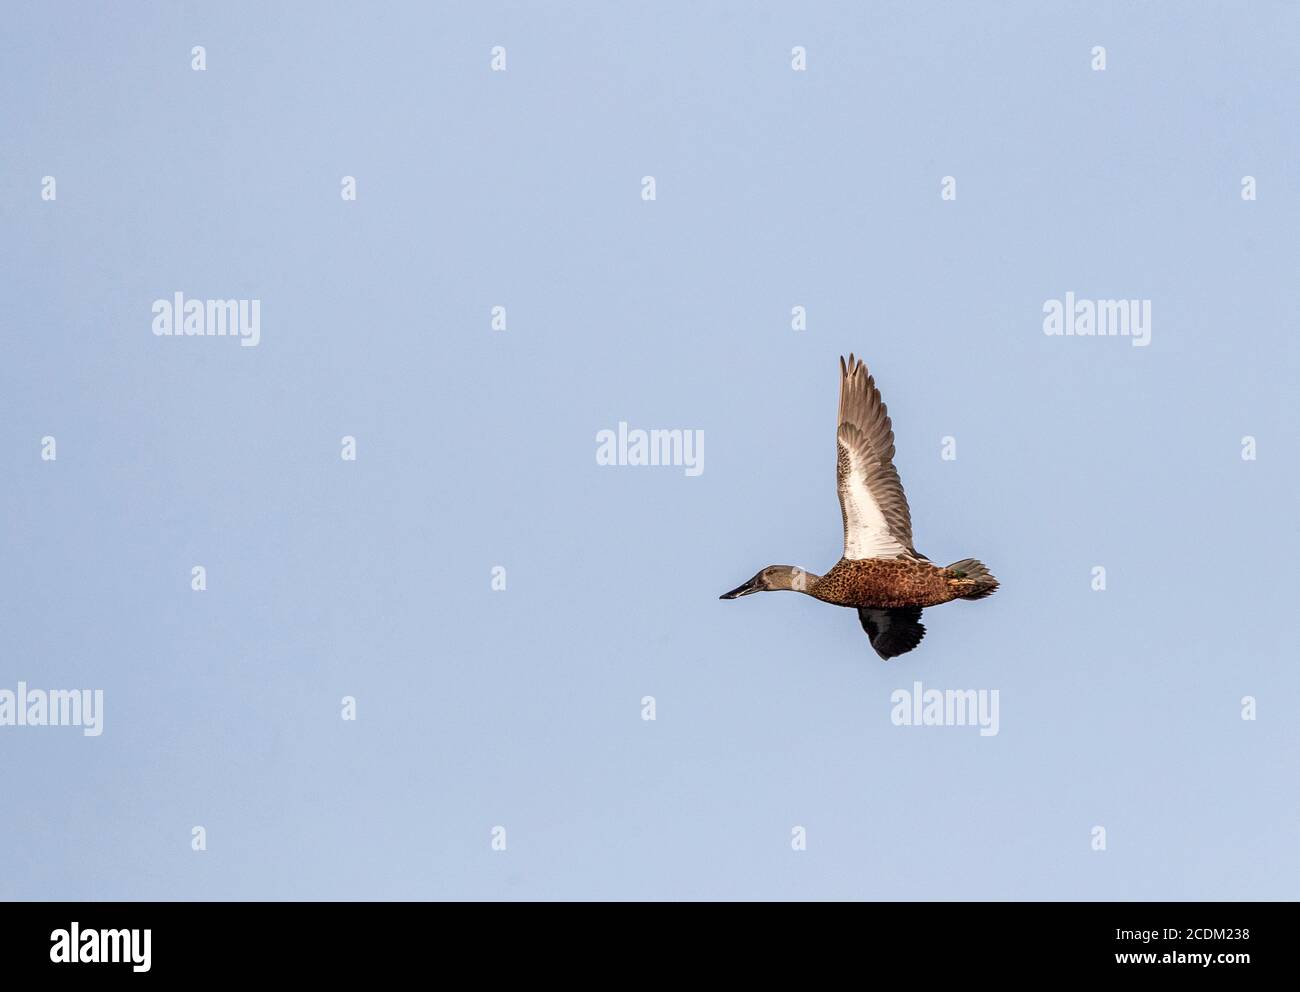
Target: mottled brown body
column 889, row 582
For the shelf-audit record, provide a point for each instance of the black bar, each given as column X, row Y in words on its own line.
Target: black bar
column 335, row 941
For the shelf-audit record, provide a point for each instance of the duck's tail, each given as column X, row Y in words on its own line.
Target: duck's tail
column 971, row 579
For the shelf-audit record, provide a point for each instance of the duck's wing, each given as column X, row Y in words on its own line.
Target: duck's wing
column 877, row 522
column 893, row 632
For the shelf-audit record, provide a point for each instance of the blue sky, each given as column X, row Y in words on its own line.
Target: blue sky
column 476, row 449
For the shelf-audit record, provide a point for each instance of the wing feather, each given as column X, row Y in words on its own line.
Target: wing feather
column 877, row 521
column 893, row 632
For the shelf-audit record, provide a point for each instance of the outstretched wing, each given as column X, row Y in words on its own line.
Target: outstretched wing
column 877, row 522
column 893, row 632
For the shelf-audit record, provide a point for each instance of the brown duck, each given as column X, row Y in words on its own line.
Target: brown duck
column 881, row 574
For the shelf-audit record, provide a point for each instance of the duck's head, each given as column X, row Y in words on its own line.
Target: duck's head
column 771, row 578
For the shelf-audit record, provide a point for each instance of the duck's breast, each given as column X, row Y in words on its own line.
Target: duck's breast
column 883, row 582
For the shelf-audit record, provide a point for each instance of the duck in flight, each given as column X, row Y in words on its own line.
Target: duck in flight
column 881, row 574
